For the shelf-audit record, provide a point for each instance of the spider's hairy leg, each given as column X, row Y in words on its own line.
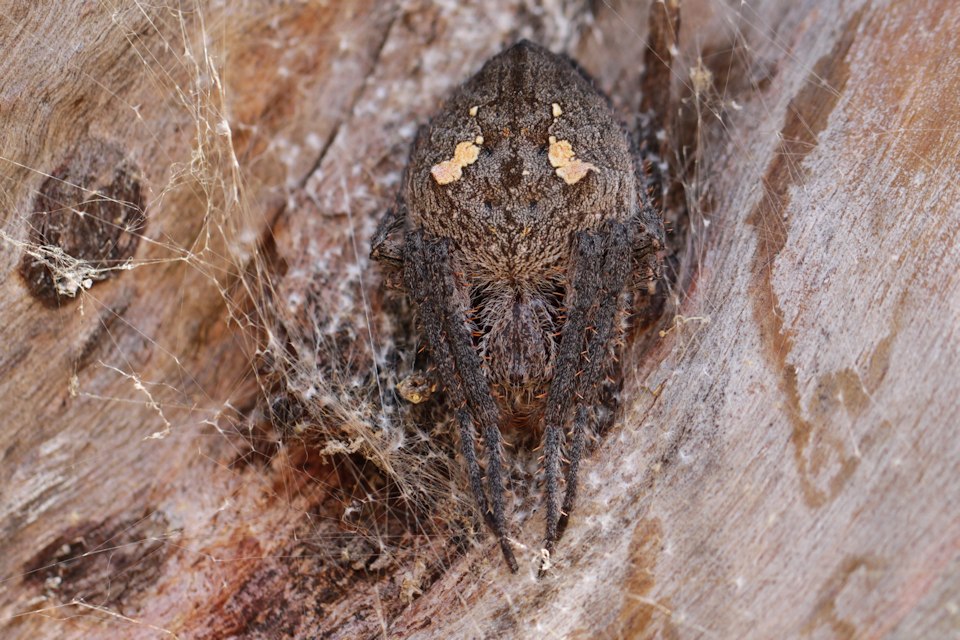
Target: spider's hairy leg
column 599, row 273
column 386, row 246
column 418, row 282
column 613, row 280
column 468, row 445
column 582, row 294
column 574, row 454
column 429, row 276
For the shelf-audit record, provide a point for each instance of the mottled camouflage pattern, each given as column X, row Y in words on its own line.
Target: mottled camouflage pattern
column 524, row 223
column 486, row 212
column 510, row 217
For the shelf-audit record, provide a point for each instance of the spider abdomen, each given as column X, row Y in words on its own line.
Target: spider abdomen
column 524, row 155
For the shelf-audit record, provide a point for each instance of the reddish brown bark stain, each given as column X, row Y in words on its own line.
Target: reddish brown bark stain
column 248, row 590
column 806, row 117
column 639, row 617
column 110, row 562
column 839, row 388
column 87, row 221
column 825, row 611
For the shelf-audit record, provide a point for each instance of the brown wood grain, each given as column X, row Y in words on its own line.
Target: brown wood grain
column 784, row 462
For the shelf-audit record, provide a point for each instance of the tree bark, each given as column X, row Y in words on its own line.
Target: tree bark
column 783, row 462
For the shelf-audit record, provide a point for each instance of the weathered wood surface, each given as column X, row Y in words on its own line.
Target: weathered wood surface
column 785, row 461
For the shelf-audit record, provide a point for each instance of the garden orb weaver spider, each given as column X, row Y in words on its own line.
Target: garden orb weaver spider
column 521, row 224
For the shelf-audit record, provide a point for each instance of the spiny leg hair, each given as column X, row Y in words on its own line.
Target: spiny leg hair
column 599, row 272
column 429, row 276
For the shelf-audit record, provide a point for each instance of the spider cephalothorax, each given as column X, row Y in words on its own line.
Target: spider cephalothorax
column 520, row 224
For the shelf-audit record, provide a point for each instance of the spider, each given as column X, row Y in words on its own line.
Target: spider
column 522, row 225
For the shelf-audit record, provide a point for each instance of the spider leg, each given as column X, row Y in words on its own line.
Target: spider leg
column 574, row 454
column 584, row 286
column 468, row 444
column 419, row 283
column 602, row 262
column 616, row 270
column 429, row 276
column 386, row 246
